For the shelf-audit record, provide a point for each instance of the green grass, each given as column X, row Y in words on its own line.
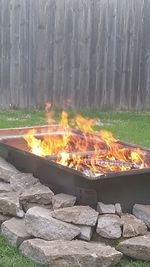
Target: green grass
column 21, row 118
column 10, row 257
column 132, row 127
column 127, row 126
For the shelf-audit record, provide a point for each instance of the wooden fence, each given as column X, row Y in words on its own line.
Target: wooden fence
column 94, row 52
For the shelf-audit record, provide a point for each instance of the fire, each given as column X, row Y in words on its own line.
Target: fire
column 84, row 124
column 93, row 153
column 64, row 119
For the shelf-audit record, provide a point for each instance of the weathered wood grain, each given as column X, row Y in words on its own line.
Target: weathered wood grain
column 94, row 52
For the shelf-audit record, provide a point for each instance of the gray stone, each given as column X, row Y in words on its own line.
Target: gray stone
column 118, row 209
column 40, row 223
column 132, row 226
column 63, row 200
column 107, row 241
column 142, row 212
column 19, row 212
column 136, row 247
column 28, row 206
column 6, row 171
column 109, row 226
column 4, row 218
column 6, row 174
column 14, row 231
column 83, row 215
column 5, row 187
column 22, row 181
column 86, row 232
column 38, row 193
column 74, row 253
column 9, row 205
column 7, row 166
column 105, row 208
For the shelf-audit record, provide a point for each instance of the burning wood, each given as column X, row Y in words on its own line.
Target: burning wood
column 103, row 166
column 112, row 163
column 82, row 149
column 84, row 154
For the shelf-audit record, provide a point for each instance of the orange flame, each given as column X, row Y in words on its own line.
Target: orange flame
column 84, row 124
column 64, row 119
column 93, row 153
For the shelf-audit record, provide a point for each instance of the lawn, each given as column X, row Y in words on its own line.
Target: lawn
column 127, row 126
column 10, row 257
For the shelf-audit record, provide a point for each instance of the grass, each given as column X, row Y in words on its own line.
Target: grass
column 21, row 118
column 10, row 257
column 127, row 126
column 133, row 127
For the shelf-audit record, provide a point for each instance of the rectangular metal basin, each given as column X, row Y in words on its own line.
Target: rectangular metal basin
column 127, row 188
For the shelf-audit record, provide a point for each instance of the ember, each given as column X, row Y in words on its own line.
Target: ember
column 92, row 153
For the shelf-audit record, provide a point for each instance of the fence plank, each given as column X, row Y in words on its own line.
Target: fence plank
column 95, row 52
column 5, row 56
column 15, row 52
column 1, row 102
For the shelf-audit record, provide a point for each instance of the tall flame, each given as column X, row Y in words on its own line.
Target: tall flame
column 93, row 153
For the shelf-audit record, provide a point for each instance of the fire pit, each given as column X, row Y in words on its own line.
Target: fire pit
column 93, row 166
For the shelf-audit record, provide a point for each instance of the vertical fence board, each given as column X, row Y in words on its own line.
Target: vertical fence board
column 77, row 7
column 95, row 52
column 59, row 54
column 33, row 22
column 24, row 54
column 1, row 102
column 5, row 56
column 50, row 22
column 15, row 52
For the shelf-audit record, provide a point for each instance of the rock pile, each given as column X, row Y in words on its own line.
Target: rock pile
column 52, row 229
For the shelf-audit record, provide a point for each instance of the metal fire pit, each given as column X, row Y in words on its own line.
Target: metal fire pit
column 127, row 187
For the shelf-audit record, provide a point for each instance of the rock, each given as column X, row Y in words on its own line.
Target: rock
column 6, row 171
column 109, row 226
column 74, row 253
column 28, row 206
column 38, row 193
column 118, row 209
column 7, row 166
column 19, row 212
column 6, row 174
column 142, row 212
column 9, row 205
column 105, row 208
column 4, row 218
column 83, row 215
column 132, row 226
column 63, row 200
column 14, row 231
column 136, row 247
column 40, row 223
column 5, row 187
column 107, row 241
column 22, row 181
column 86, row 232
